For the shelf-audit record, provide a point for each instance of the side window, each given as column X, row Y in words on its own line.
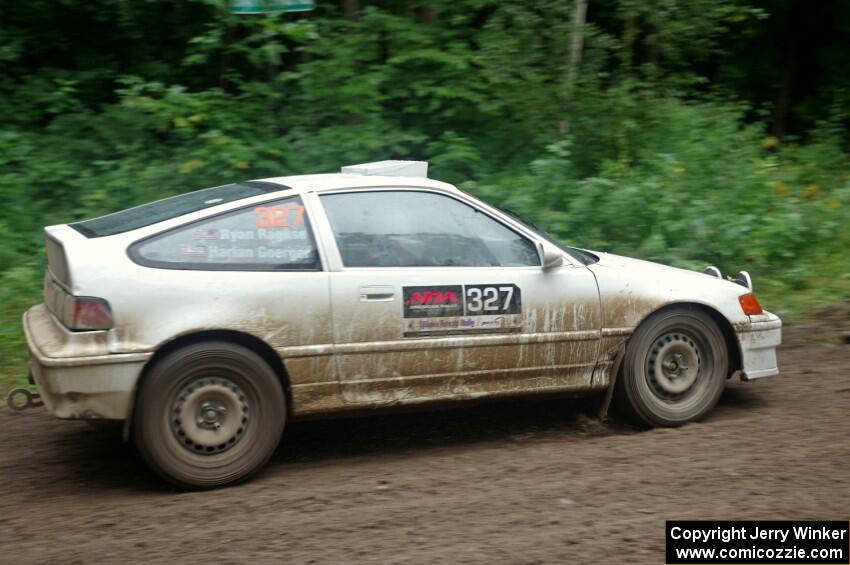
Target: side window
column 269, row 236
column 421, row 229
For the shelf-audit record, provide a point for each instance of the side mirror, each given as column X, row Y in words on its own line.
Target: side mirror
column 551, row 256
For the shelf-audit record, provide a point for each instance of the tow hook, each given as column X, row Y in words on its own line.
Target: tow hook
column 20, row 399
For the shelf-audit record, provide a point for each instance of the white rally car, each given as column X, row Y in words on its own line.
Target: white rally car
column 205, row 321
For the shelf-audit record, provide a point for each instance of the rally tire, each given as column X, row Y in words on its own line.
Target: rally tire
column 209, row 414
column 674, row 369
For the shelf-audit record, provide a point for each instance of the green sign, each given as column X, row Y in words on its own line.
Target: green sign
column 270, row 6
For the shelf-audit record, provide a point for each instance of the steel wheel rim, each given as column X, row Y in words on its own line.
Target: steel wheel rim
column 210, row 415
column 674, row 366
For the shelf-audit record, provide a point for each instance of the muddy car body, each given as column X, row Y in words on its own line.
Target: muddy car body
column 373, row 287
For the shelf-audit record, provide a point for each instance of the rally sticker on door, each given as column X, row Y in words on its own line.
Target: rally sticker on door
column 450, row 309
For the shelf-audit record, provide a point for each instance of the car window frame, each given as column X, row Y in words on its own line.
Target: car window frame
column 135, row 256
column 340, row 263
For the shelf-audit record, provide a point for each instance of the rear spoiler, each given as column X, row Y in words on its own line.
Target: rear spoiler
column 58, row 240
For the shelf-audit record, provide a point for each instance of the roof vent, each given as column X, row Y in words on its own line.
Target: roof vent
column 389, row 169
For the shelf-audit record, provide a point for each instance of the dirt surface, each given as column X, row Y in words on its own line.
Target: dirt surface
column 518, row 481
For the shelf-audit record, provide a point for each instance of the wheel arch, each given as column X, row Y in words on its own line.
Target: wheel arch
column 255, row 344
column 723, row 323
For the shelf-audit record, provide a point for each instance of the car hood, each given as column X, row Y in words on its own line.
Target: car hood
column 610, row 260
column 631, row 289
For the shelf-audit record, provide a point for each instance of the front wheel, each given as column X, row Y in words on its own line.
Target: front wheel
column 208, row 415
column 674, row 369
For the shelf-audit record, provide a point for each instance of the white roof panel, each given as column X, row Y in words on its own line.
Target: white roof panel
column 334, row 181
column 389, row 169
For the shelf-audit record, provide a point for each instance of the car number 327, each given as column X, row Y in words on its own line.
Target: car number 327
column 259, row 302
column 491, row 299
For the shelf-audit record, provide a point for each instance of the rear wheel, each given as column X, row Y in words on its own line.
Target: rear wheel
column 674, row 369
column 209, row 414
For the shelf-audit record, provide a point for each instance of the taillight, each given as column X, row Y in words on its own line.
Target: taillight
column 86, row 313
column 749, row 304
column 82, row 313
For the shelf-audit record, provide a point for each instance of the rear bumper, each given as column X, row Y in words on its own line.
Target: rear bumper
column 74, row 385
column 759, row 340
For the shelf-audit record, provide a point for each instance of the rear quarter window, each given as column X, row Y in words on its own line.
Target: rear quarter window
column 265, row 237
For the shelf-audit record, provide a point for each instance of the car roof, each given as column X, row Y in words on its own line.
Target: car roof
column 336, row 181
column 289, row 186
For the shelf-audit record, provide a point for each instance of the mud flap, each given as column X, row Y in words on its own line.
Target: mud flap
column 602, row 413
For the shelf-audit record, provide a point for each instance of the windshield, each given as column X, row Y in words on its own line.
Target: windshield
column 578, row 254
column 168, row 208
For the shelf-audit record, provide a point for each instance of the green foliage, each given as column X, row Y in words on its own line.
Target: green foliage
column 703, row 187
column 662, row 144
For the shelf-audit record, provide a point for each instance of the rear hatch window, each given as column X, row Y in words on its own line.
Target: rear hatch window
column 168, row 208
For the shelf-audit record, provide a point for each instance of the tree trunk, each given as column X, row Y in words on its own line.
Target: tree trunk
column 796, row 21
column 350, row 9
column 427, row 14
column 576, row 41
column 576, row 47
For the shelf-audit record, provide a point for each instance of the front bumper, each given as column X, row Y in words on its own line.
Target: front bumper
column 75, row 374
column 759, row 340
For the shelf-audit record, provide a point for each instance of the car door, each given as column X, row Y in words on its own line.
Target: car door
column 434, row 297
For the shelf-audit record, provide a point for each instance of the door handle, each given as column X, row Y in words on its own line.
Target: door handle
column 376, row 293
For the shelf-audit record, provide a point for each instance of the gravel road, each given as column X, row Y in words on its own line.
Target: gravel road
column 520, row 481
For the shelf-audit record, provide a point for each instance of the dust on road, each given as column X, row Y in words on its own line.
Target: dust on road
column 515, row 481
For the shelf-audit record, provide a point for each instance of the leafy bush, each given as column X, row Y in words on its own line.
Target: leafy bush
column 702, row 187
